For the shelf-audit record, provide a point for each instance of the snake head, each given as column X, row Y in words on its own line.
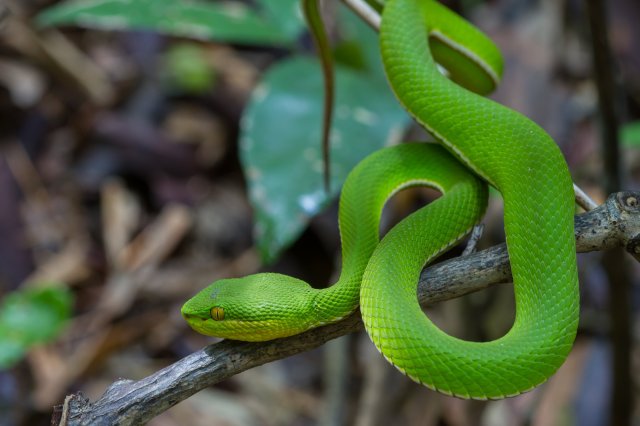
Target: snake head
column 257, row 307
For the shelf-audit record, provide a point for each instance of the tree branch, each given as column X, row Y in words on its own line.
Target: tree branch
column 613, row 224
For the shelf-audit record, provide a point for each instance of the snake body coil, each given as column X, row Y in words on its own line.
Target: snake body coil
column 500, row 145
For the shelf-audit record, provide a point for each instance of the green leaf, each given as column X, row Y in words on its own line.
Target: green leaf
column 29, row 317
column 11, row 351
column 187, row 68
column 280, row 143
column 284, row 14
column 349, row 53
column 221, row 20
column 281, row 127
column 630, row 134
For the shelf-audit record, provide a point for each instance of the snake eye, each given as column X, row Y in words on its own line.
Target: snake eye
column 217, row 313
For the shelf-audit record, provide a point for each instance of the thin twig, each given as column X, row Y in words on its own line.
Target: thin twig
column 583, row 200
column 476, row 234
column 614, row 224
column 366, row 12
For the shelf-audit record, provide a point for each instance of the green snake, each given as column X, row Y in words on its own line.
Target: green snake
column 499, row 145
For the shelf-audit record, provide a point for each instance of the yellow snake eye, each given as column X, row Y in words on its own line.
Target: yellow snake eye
column 217, row 313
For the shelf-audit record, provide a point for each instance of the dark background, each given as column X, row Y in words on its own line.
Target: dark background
column 129, row 191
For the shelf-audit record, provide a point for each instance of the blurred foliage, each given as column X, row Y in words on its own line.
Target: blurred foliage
column 29, row 317
column 187, row 68
column 277, row 23
column 282, row 160
column 630, row 134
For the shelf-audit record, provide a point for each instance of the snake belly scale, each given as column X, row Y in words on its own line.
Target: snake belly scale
column 498, row 144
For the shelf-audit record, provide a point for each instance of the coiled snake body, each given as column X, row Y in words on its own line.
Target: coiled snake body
column 498, row 144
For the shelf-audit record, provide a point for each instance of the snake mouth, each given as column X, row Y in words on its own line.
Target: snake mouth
column 244, row 330
column 229, row 322
column 191, row 317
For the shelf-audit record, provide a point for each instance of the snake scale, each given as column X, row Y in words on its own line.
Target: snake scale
column 476, row 137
